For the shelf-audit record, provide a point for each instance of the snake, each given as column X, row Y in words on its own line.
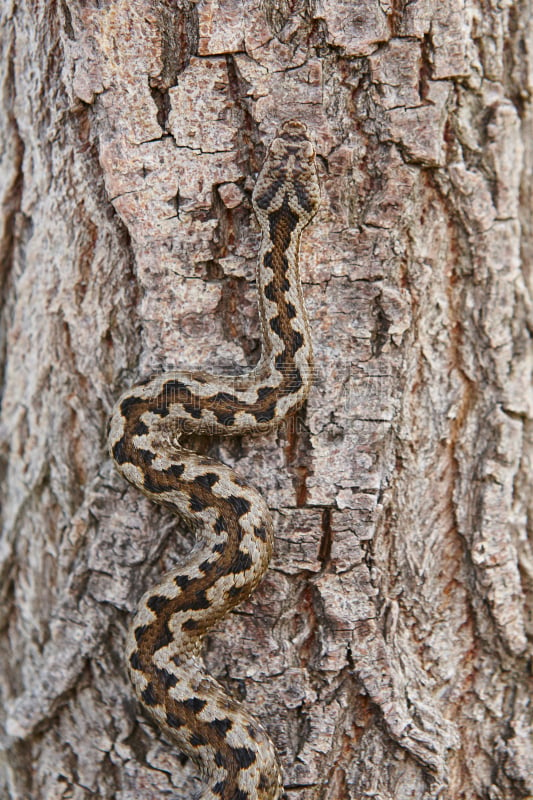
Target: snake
column 231, row 521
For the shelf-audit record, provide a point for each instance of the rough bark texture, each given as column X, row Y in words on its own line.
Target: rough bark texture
column 388, row 650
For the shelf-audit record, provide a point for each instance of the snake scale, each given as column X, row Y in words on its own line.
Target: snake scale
column 233, row 525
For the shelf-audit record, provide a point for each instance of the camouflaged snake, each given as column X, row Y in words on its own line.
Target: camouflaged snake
column 232, row 522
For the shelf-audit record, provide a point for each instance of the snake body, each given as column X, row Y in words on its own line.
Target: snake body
column 232, row 522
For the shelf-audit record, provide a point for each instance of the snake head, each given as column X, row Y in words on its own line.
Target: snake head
column 289, row 174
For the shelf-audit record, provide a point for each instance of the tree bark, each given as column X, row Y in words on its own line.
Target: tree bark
column 388, row 650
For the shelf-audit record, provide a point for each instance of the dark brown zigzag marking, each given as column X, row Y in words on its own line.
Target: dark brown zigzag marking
column 195, row 604
column 264, row 200
column 282, row 223
column 180, row 715
column 151, row 637
column 225, row 405
column 304, row 198
column 227, row 559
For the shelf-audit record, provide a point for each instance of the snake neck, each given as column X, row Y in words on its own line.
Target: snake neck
column 198, row 402
column 287, row 356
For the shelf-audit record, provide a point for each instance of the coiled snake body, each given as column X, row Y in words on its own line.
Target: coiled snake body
column 232, row 522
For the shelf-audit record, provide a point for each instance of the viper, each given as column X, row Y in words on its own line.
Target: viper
column 232, row 523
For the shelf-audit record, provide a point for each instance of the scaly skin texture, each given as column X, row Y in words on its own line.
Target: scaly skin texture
column 232, row 522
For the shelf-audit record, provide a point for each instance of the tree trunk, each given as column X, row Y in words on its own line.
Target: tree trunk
column 388, row 649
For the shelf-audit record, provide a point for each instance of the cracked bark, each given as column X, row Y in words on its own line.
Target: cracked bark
column 388, row 649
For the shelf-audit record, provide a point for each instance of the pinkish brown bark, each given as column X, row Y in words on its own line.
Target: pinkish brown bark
column 388, row 650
